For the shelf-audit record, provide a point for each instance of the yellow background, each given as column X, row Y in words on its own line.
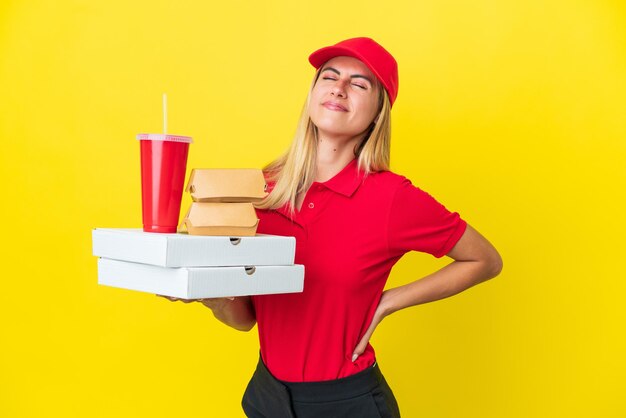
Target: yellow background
column 510, row 112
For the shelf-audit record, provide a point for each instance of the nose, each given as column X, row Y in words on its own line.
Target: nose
column 339, row 88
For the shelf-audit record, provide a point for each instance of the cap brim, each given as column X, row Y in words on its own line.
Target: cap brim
column 319, row 57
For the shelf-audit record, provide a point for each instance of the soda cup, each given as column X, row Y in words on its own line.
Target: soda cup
column 163, row 166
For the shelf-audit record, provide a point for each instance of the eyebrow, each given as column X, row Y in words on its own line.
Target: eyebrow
column 334, row 70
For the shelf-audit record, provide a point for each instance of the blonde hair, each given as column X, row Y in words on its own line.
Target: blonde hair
column 294, row 171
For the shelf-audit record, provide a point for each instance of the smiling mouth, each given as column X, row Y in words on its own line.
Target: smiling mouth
column 334, row 106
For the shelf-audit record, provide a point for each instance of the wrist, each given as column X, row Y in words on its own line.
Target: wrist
column 216, row 304
column 388, row 302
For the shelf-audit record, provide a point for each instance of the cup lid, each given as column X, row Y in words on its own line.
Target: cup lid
column 164, row 137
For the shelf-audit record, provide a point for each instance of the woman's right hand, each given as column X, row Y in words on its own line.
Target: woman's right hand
column 211, row 303
column 236, row 313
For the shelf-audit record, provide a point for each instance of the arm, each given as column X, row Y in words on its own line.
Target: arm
column 235, row 312
column 475, row 261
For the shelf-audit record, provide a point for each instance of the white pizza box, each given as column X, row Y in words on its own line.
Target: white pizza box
column 183, row 250
column 201, row 282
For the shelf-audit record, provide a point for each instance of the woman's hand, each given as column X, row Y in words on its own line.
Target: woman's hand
column 384, row 308
column 237, row 312
column 211, row 303
column 475, row 260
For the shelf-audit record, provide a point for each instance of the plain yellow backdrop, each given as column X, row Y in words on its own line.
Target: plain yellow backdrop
column 510, row 112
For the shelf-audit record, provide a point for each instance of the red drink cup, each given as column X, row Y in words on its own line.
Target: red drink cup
column 163, row 165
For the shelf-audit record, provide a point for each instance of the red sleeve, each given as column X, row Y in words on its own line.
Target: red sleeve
column 418, row 222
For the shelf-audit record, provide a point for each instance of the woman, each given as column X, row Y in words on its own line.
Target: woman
column 353, row 220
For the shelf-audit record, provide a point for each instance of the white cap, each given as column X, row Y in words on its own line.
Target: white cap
column 164, row 137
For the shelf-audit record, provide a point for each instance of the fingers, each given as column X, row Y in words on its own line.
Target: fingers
column 360, row 348
column 208, row 300
column 362, row 345
column 211, row 300
column 174, row 299
column 170, row 298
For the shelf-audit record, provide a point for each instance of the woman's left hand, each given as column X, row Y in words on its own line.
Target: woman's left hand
column 475, row 260
column 383, row 309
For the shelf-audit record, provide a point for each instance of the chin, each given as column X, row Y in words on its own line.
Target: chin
column 332, row 128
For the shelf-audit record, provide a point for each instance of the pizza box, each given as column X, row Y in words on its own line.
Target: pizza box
column 183, row 250
column 201, row 282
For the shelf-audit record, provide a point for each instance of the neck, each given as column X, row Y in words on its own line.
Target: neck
column 333, row 154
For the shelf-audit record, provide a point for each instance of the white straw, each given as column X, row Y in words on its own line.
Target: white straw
column 164, row 114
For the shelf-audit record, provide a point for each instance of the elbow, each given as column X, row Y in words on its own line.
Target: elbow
column 495, row 265
column 490, row 266
column 246, row 327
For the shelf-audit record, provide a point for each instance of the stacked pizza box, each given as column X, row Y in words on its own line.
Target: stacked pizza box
column 220, row 255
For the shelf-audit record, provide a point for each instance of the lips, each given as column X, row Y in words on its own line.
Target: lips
column 334, row 106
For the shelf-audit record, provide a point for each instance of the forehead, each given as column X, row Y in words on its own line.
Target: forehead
column 350, row 65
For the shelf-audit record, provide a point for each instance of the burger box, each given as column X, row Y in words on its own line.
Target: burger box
column 201, row 282
column 226, row 185
column 225, row 219
column 222, row 201
column 183, row 250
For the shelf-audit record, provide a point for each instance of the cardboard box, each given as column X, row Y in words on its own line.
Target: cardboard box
column 183, row 250
column 201, row 282
column 226, row 185
column 223, row 219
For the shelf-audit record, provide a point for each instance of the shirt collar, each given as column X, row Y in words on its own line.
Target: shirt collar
column 347, row 180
